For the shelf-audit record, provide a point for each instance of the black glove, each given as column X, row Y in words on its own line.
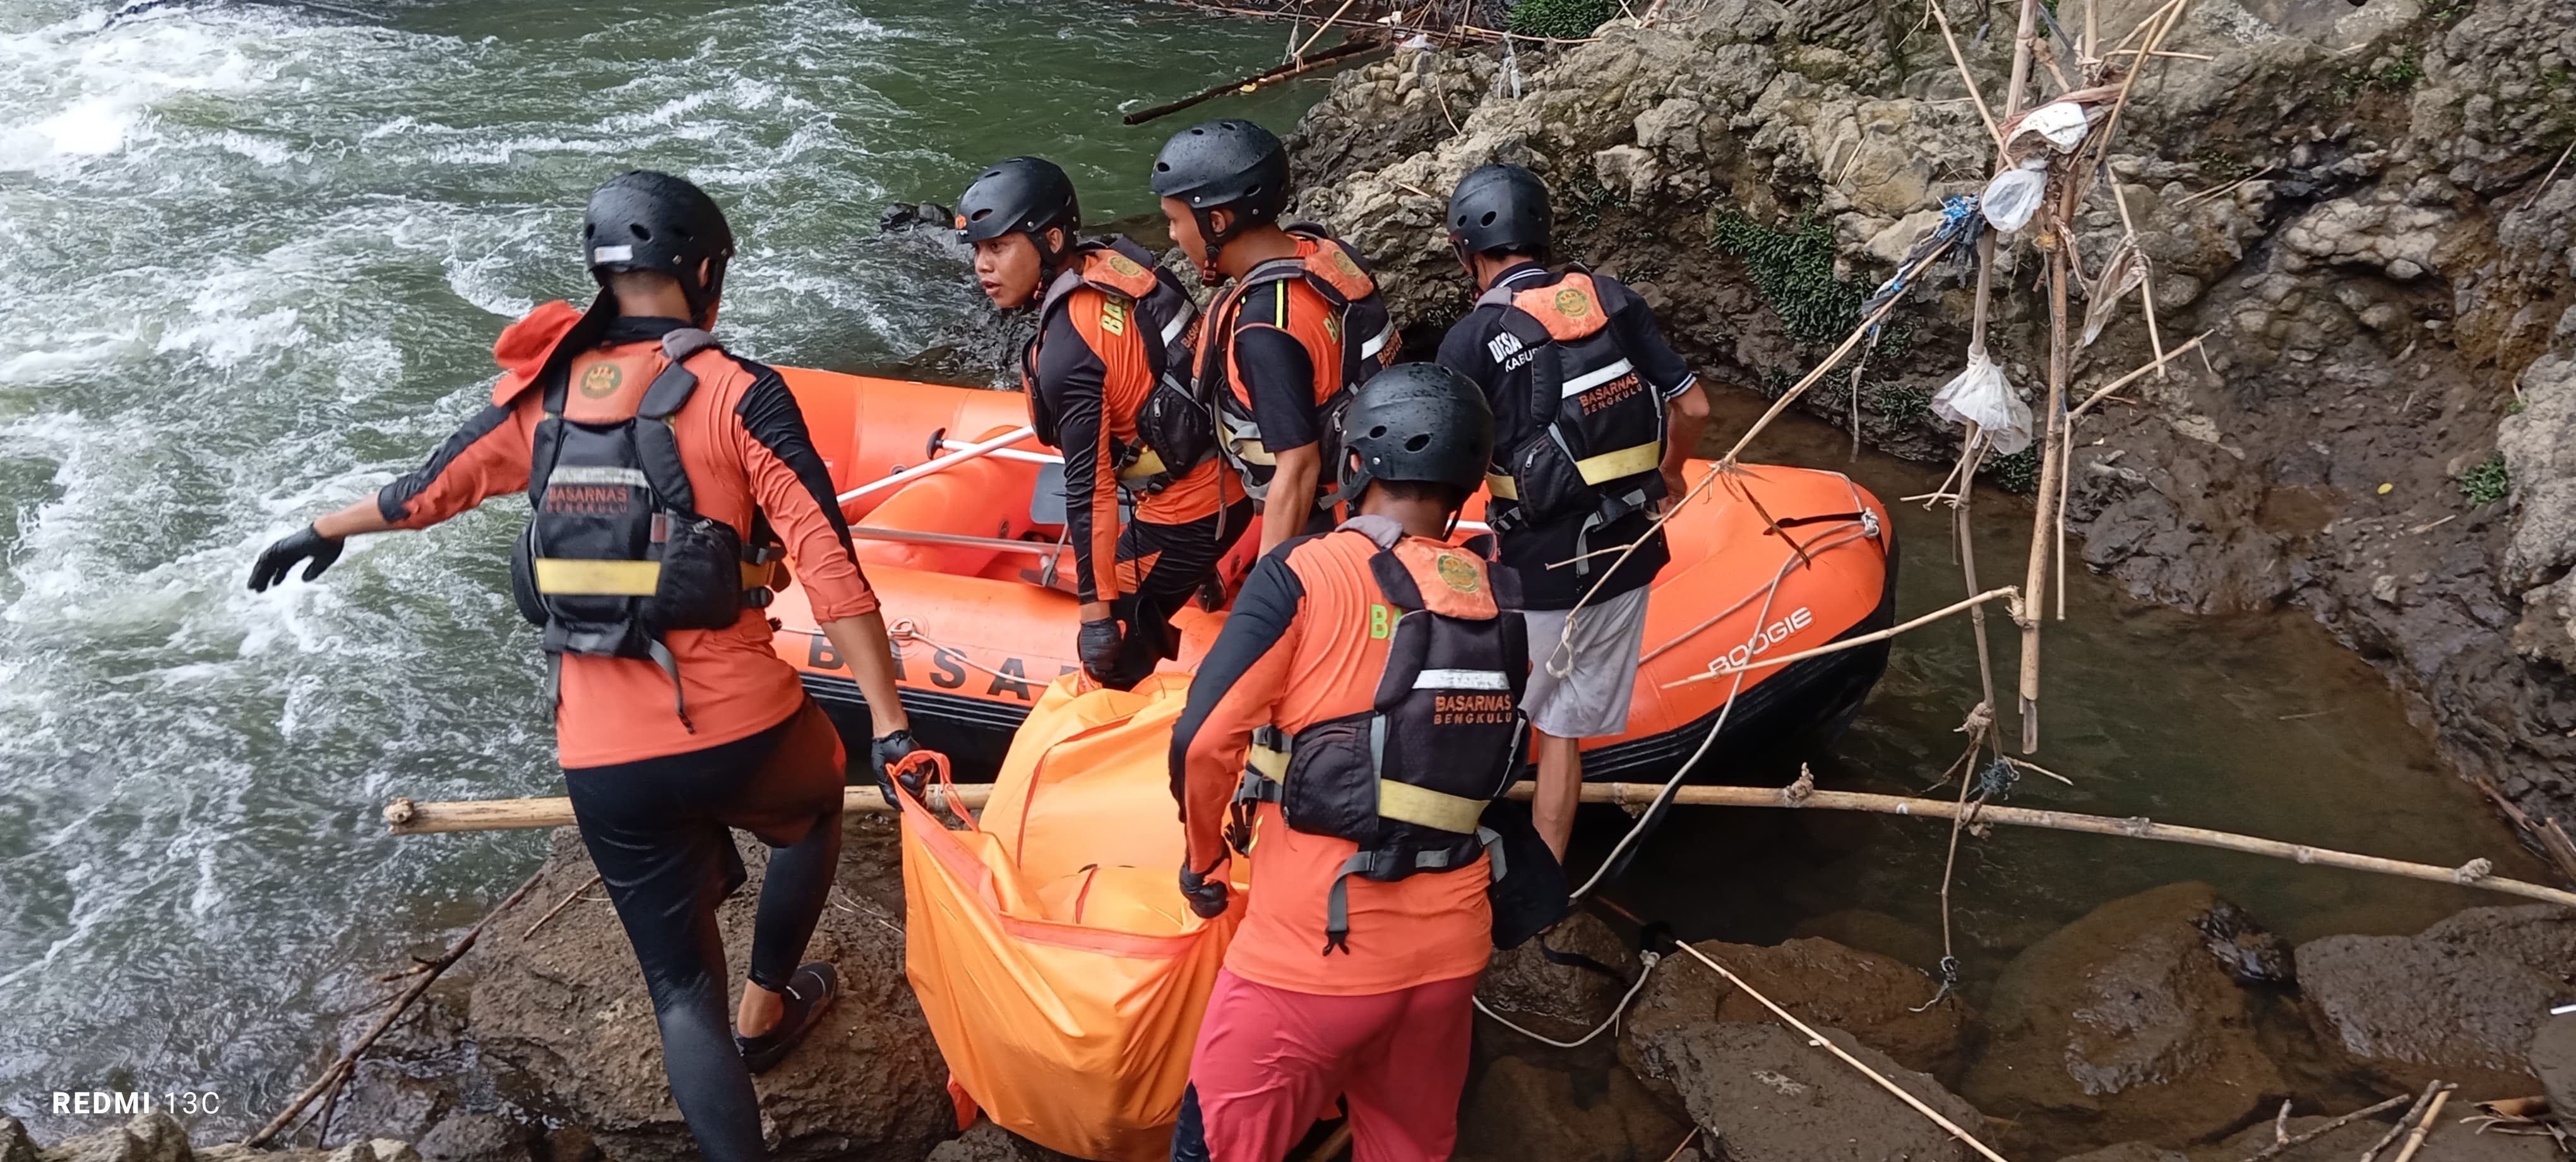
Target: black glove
column 1098, row 645
column 276, row 561
column 884, row 755
column 1207, row 897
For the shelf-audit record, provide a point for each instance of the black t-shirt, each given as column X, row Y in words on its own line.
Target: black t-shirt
column 1537, row 552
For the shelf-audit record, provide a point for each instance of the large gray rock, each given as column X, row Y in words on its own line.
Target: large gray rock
column 1519, row 1110
column 2129, row 1024
column 562, row 1018
column 986, row 1142
column 1872, row 998
column 2553, row 1057
column 152, row 1137
column 2460, row 1001
column 1767, row 1095
column 1559, row 1000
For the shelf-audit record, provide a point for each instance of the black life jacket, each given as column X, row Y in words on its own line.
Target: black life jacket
column 1409, row 779
column 1359, row 321
column 1174, row 432
column 616, row 554
column 1599, row 448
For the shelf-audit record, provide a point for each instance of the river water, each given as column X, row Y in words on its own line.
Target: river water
column 254, row 256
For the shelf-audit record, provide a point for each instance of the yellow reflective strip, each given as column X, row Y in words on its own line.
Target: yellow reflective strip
column 1422, row 806
column 1148, row 462
column 1251, row 452
column 1269, row 764
column 1624, row 462
column 559, row 575
column 1501, row 487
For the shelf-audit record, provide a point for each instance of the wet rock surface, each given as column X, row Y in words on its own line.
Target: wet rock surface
column 2461, row 1001
column 564, row 1024
column 1765, row 1095
column 1872, row 998
column 158, row 1137
column 1519, row 1109
column 986, row 1142
column 2553, row 1058
column 2127, row 1025
column 1563, row 1001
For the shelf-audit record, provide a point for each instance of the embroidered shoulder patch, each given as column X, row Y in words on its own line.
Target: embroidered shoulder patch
column 1124, row 266
column 1457, row 573
column 1572, row 303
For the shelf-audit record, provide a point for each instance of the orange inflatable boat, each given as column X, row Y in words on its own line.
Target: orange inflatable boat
column 966, row 556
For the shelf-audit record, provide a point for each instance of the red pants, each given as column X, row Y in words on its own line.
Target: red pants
column 1268, row 1060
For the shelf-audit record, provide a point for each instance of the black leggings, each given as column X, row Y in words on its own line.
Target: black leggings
column 1161, row 567
column 657, row 830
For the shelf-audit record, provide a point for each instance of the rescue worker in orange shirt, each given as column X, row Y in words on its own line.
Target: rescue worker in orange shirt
column 1349, row 728
column 1301, row 326
column 667, row 477
column 1107, row 377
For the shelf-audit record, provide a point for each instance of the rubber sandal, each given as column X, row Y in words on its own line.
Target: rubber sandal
column 810, row 990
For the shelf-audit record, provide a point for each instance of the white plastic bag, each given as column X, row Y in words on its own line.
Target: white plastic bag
column 2013, row 197
column 2063, row 123
column 1980, row 396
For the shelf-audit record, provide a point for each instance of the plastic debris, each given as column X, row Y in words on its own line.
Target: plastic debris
column 2013, row 197
column 1980, row 396
column 2063, row 123
column 1958, row 231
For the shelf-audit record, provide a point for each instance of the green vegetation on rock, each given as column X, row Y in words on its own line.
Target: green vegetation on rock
column 1561, row 19
column 2487, row 482
column 1794, row 270
column 2018, row 472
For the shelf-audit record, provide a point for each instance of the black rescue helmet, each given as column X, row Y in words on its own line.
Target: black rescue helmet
column 1500, row 208
column 1417, row 421
column 643, row 220
column 1027, row 194
column 1224, row 164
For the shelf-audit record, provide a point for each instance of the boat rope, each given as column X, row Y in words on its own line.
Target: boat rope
column 1647, row 959
column 1647, row 820
column 905, row 630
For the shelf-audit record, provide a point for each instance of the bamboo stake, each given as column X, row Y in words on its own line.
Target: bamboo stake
column 1992, row 130
column 2415, row 1137
column 1714, row 672
column 1816, row 1038
column 405, row 817
column 2105, row 392
column 2403, row 1120
column 2283, row 1142
column 2050, row 464
column 1299, row 53
column 506, row 814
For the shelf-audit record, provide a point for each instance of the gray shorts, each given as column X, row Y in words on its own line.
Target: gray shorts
column 1600, row 670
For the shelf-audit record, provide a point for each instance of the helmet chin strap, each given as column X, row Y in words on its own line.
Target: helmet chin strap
column 1214, row 242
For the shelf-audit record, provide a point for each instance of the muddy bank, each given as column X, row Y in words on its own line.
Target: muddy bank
column 2167, row 1021
column 2349, row 199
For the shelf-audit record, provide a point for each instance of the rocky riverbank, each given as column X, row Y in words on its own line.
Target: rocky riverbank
column 2167, row 1022
column 2351, row 199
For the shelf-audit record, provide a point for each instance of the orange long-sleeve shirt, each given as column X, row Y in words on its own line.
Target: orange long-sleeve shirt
column 1296, row 650
column 744, row 444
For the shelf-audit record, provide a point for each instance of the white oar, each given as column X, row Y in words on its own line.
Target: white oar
column 970, row 452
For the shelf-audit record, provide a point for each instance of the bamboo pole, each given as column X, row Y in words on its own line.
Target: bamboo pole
column 2283, row 1142
column 410, row 818
column 2415, row 1137
column 1356, row 46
